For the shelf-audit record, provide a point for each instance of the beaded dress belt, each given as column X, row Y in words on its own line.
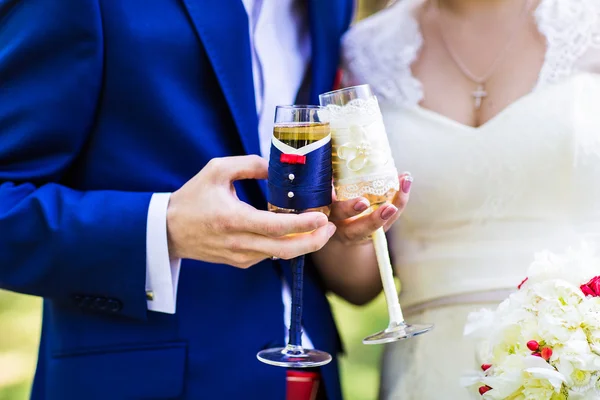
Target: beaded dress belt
column 489, row 296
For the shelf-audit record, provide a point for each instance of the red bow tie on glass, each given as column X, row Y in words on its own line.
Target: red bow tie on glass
column 292, row 159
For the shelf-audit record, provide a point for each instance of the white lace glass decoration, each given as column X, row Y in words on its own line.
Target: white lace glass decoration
column 363, row 166
column 362, row 160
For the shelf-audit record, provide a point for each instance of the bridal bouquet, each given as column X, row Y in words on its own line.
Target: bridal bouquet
column 543, row 342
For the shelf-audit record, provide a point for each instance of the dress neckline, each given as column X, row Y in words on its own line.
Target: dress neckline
column 496, row 119
column 434, row 115
column 381, row 49
column 415, row 24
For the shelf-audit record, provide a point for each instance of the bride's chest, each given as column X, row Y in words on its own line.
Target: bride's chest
column 534, row 159
column 465, row 87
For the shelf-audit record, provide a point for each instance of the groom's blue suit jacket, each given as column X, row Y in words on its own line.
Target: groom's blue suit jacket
column 102, row 103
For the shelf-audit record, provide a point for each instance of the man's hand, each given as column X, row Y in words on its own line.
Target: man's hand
column 206, row 221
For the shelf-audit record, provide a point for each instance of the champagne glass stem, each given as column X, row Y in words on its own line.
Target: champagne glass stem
column 293, row 355
column 387, row 278
column 297, row 294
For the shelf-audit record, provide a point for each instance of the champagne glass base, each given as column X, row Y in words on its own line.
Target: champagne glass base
column 284, row 357
column 398, row 332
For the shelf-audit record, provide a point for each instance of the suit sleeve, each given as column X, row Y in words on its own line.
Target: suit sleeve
column 81, row 248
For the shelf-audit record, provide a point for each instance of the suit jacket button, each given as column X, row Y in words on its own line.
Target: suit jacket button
column 77, row 299
column 99, row 304
column 85, row 302
column 114, row 305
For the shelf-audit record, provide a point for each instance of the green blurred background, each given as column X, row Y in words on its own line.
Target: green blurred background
column 20, row 323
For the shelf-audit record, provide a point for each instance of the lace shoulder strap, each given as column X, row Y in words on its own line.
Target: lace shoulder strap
column 572, row 31
column 380, row 50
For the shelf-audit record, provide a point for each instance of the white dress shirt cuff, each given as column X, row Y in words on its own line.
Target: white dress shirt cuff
column 162, row 271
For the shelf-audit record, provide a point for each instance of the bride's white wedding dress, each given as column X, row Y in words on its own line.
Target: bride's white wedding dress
column 484, row 199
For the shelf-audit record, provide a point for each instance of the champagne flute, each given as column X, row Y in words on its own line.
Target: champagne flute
column 363, row 166
column 299, row 181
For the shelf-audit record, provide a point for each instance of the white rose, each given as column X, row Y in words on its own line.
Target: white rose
column 590, row 312
column 553, row 330
column 558, row 291
column 547, row 266
column 541, row 380
column 480, row 323
column 575, row 360
column 506, row 377
column 593, row 337
column 575, row 266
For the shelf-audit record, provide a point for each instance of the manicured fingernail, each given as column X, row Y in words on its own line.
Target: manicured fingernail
column 389, row 212
column 331, row 230
column 361, row 206
column 406, row 183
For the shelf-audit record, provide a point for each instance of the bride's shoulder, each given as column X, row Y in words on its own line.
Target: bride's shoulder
column 568, row 16
column 393, row 22
column 572, row 32
column 383, row 46
column 384, row 21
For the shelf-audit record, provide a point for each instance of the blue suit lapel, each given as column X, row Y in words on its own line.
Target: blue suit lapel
column 222, row 26
column 329, row 19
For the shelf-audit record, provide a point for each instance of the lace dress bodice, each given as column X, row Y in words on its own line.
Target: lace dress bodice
column 485, row 199
column 382, row 48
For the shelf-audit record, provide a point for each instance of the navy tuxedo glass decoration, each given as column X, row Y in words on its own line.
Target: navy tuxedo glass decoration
column 300, row 176
column 304, row 184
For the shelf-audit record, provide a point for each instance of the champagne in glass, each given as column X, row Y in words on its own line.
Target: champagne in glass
column 298, row 136
column 363, row 166
column 299, row 181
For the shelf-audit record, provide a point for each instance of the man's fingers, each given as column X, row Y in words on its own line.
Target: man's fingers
column 341, row 210
column 229, row 169
column 277, row 224
column 241, row 259
column 293, row 246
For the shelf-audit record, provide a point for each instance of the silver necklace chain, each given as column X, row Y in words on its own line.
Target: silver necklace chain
column 480, row 93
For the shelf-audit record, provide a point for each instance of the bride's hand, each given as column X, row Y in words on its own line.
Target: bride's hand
column 353, row 228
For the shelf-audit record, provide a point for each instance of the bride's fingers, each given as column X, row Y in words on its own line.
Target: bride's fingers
column 401, row 198
column 358, row 229
column 341, row 210
column 353, row 229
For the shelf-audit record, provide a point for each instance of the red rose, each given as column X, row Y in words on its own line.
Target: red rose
column 592, row 288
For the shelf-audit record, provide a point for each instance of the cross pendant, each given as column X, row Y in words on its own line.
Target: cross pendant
column 479, row 94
